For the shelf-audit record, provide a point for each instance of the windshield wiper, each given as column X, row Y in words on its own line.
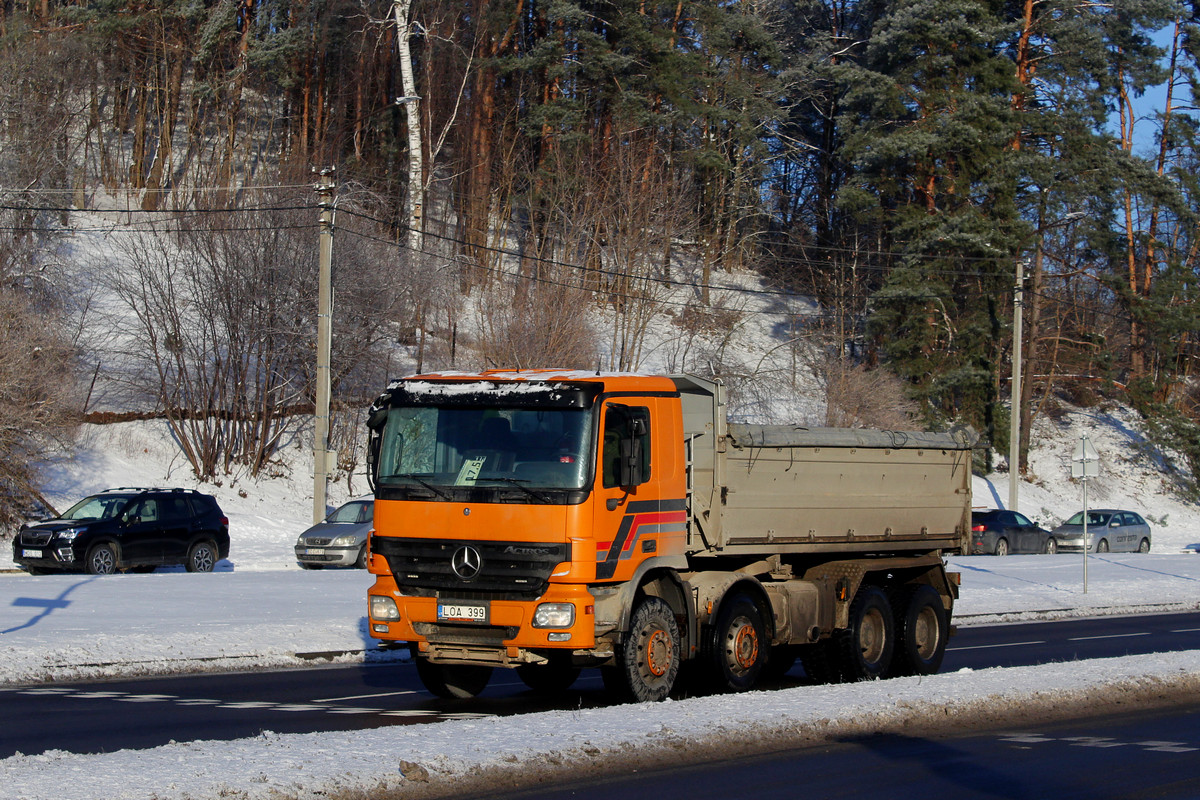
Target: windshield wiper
column 413, row 476
column 520, row 484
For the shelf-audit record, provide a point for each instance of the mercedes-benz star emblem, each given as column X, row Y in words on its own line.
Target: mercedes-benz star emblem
column 466, row 563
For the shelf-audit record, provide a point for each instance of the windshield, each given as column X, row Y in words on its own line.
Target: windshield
column 1093, row 518
column 444, row 448
column 96, row 508
column 359, row 511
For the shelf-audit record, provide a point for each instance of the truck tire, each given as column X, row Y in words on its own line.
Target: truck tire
column 548, row 679
column 453, row 681
column 648, row 660
column 865, row 647
column 820, row 661
column 736, row 646
column 922, row 629
column 780, row 661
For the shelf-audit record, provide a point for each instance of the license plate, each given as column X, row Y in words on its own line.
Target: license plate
column 315, row 551
column 462, row 612
column 31, row 554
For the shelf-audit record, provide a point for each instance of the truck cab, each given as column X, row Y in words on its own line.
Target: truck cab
column 502, row 499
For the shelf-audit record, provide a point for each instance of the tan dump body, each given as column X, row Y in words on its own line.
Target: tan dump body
column 764, row 489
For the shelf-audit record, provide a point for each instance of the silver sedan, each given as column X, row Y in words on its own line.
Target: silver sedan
column 1108, row 530
column 339, row 541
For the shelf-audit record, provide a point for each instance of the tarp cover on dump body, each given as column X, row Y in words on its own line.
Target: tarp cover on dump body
column 742, row 436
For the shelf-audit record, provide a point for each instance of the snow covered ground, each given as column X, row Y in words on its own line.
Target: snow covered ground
column 260, row 610
column 137, row 623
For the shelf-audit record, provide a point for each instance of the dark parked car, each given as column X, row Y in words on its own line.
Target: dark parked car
column 128, row 529
column 339, row 541
column 1108, row 529
column 1000, row 532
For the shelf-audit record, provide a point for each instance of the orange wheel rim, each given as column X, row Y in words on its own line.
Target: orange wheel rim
column 658, row 653
column 745, row 647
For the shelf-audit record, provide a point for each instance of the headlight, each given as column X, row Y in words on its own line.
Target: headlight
column 554, row 615
column 343, row 541
column 69, row 534
column 384, row 608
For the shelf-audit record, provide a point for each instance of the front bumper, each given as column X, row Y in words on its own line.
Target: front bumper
column 505, row 637
column 328, row 556
column 48, row 556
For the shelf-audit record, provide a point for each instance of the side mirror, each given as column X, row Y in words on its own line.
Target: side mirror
column 377, row 417
column 630, row 452
column 374, row 439
column 630, row 469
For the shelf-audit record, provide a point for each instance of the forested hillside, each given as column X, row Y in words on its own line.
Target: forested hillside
column 529, row 183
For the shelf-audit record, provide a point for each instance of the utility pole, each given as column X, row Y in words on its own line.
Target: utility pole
column 1014, row 426
column 324, row 343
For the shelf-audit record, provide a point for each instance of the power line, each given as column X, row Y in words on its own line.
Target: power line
column 171, row 190
column 1004, row 262
column 139, row 227
column 617, row 274
column 786, row 260
column 176, row 215
column 612, row 292
column 239, row 209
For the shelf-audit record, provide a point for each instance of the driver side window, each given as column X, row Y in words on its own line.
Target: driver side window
column 619, row 425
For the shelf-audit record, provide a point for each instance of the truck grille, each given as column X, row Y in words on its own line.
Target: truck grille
column 505, row 570
column 35, row 539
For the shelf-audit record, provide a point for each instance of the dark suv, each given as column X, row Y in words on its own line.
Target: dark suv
column 128, row 529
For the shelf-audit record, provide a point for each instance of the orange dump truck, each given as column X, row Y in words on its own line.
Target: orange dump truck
column 549, row 521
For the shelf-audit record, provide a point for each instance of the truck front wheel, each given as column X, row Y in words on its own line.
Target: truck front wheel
column 453, row 681
column 865, row 648
column 737, row 648
column 648, row 660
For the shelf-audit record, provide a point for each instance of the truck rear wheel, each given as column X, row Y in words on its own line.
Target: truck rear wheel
column 780, row 661
column 453, row 681
column 865, row 648
column 737, row 647
column 820, row 661
column 648, row 660
column 921, row 631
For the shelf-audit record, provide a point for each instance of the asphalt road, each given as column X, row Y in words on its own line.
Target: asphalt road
column 1138, row 754
column 114, row 715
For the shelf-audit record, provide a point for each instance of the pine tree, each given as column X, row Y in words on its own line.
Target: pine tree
column 929, row 128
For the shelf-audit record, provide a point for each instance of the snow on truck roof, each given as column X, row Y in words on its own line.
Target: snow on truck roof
column 517, row 381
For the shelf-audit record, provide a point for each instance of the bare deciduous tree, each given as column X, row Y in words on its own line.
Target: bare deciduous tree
column 38, row 399
column 858, row 397
column 223, row 333
column 526, row 324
